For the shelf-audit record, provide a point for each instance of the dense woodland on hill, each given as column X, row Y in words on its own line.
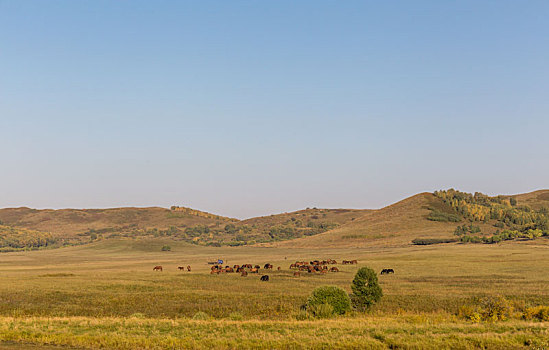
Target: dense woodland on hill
column 511, row 220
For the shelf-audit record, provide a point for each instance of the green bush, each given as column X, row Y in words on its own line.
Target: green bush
column 325, row 297
column 366, row 289
column 166, row 248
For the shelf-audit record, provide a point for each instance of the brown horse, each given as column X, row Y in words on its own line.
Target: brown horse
column 244, row 273
column 189, row 268
column 181, row 268
column 297, row 274
column 157, row 268
column 334, row 269
column 254, row 270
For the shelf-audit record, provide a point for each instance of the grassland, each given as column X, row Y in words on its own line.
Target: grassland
column 105, row 295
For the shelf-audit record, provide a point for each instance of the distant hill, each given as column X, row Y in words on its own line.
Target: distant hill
column 396, row 224
column 79, row 226
column 70, row 222
column 425, row 218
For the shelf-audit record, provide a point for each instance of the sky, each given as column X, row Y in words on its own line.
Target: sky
column 247, row 108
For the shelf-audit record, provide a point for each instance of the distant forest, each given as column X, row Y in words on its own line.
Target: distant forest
column 511, row 220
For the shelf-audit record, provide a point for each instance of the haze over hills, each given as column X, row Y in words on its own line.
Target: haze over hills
column 423, row 216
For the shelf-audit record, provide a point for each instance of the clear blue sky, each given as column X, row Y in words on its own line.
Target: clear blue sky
column 245, row 108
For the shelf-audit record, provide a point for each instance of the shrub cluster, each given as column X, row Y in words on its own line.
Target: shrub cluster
column 429, row 241
column 436, row 215
column 497, row 308
column 326, row 301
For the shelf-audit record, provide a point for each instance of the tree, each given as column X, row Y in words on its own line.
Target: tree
column 366, row 289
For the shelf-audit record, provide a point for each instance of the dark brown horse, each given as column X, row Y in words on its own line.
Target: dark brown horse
column 181, row 268
column 157, row 268
column 189, row 268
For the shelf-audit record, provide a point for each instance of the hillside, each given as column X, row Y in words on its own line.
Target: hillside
column 423, row 218
column 78, row 226
column 428, row 216
column 397, row 224
column 535, row 200
column 70, row 222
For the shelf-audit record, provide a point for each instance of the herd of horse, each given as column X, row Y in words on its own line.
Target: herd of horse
column 314, row 266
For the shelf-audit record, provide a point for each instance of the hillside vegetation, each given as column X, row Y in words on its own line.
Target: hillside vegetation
column 512, row 221
column 442, row 217
column 12, row 239
column 426, row 218
column 74, row 226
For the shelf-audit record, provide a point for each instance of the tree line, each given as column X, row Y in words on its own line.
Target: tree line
column 503, row 212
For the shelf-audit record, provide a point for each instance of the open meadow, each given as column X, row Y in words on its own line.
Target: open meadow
column 106, row 295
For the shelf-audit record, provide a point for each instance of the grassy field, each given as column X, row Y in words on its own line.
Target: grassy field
column 105, row 295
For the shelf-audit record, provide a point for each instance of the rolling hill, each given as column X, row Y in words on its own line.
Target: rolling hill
column 423, row 216
column 396, row 224
column 399, row 224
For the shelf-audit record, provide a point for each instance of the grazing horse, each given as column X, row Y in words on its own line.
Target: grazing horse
column 244, row 273
column 265, row 278
column 229, row 269
column 279, row 268
column 181, row 268
column 387, row 271
column 353, row 262
column 157, row 268
column 254, row 270
column 293, row 266
column 257, row 267
column 297, row 274
column 268, row 266
column 189, row 268
column 334, row 269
